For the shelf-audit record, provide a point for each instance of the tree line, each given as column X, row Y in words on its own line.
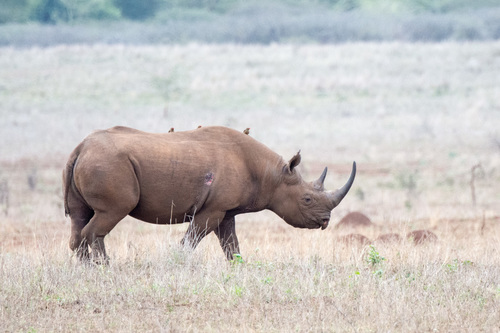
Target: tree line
column 60, row 11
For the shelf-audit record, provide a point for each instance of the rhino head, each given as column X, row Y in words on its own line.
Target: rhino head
column 306, row 204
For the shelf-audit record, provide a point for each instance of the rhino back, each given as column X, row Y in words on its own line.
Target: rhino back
column 175, row 174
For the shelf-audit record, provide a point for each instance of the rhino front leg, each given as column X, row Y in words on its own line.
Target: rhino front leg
column 201, row 225
column 226, row 233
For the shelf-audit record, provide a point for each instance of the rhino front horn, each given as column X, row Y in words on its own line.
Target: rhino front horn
column 339, row 194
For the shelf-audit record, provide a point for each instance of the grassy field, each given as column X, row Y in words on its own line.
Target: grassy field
column 421, row 120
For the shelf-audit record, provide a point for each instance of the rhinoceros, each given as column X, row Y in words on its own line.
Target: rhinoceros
column 204, row 177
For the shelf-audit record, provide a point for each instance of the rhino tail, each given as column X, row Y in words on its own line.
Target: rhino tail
column 68, row 177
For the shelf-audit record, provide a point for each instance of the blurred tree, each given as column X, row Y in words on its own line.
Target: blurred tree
column 344, row 5
column 137, row 10
column 421, row 6
column 212, row 5
column 13, row 11
column 51, row 11
column 91, row 9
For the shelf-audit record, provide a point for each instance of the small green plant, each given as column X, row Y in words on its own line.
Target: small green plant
column 238, row 291
column 237, row 259
column 374, row 258
column 407, row 181
column 267, row 280
column 360, row 194
column 456, row 264
column 227, row 277
column 453, row 266
column 408, row 204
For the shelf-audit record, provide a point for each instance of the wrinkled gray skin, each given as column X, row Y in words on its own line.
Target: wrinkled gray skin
column 205, row 177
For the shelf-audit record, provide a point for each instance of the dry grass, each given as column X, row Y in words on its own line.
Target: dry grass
column 416, row 117
column 289, row 280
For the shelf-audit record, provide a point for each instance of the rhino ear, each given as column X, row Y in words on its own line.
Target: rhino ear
column 294, row 161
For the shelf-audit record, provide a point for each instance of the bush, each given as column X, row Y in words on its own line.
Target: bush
column 137, row 10
column 92, row 10
column 219, row 6
column 51, row 11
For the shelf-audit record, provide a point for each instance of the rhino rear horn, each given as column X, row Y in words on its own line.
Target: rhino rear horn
column 318, row 184
column 339, row 194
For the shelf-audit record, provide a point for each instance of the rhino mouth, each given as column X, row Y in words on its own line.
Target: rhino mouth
column 324, row 223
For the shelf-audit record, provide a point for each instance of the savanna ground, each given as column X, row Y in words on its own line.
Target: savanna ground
column 421, row 120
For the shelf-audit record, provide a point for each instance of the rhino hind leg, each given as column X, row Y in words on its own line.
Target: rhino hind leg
column 80, row 216
column 99, row 255
column 95, row 231
column 226, row 233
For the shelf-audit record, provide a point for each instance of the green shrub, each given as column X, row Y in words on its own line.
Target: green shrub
column 92, row 10
column 137, row 10
column 51, row 11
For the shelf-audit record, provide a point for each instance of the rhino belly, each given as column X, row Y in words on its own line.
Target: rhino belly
column 167, row 212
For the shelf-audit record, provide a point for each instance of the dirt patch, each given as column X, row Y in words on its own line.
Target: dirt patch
column 422, row 236
column 18, row 236
column 389, row 238
column 354, row 239
column 354, row 220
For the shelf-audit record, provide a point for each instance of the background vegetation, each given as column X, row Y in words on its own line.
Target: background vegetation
column 48, row 22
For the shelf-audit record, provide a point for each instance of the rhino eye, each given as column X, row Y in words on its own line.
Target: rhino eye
column 307, row 200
